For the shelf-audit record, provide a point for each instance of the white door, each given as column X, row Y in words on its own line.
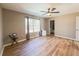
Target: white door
column 77, row 28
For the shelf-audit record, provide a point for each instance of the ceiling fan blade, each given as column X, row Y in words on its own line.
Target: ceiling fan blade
column 53, row 9
column 55, row 12
column 48, row 8
column 43, row 11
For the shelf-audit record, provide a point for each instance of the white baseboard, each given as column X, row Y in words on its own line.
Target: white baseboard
column 1, row 51
column 11, row 43
column 67, row 38
column 8, row 45
column 64, row 37
column 22, row 40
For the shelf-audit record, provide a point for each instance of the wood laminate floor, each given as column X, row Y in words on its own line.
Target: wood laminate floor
column 44, row 46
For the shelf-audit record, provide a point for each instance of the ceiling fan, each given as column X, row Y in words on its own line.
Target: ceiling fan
column 50, row 11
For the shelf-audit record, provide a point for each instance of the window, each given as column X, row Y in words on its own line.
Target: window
column 34, row 25
column 30, row 25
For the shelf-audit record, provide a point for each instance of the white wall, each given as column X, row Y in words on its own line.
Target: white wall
column 13, row 22
column 65, row 25
column 1, row 41
column 46, row 23
column 42, row 24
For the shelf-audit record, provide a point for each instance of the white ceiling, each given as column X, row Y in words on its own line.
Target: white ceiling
column 35, row 8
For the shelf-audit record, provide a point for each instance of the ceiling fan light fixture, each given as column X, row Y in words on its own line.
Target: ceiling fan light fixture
column 49, row 14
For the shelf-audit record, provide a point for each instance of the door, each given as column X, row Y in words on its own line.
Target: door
column 77, row 28
column 52, row 27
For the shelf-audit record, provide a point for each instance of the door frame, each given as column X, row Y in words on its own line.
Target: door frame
column 49, row 26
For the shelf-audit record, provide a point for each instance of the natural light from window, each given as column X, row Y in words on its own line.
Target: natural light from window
column 34, row 25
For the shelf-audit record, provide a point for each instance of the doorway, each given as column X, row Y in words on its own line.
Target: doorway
column 52, row 27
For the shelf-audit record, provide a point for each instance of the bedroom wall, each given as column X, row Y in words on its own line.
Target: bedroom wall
column 1, row 34
column 14, row 22
column 65, row 26
column 47, row 26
